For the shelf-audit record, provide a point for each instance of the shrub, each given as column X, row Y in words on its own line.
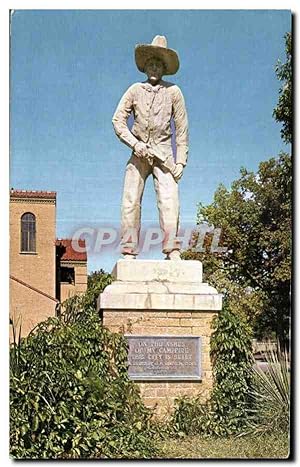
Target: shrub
column 97, row 281
column 225, row 412
column 191, row 417
column 70, row 396
column 270, row 395
column 231, row 350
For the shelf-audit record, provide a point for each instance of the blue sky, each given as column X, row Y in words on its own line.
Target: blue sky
column 69, row 70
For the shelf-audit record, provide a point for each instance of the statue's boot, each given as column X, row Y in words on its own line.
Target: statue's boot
column 173, row 255
column 128, row 256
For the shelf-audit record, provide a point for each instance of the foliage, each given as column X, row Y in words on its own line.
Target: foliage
column 78, row 306
column 97, row 281
column 231, row 350
column 255, row 272
column 191, row 416
column 283, row 112
column 70, row 396
column 270, row 412
column 248, row 302
column 224, row 414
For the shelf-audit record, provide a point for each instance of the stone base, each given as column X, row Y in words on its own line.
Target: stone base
column 158, row 270
column 155, row 298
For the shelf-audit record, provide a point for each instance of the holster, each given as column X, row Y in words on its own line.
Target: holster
column 168, row 163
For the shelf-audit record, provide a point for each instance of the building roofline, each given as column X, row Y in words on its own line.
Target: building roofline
column 32, row 194
column 71, row 255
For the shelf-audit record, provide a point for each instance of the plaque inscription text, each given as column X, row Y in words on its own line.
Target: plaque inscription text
column 164, row 357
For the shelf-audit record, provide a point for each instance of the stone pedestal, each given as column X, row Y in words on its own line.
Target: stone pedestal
column 162, row 300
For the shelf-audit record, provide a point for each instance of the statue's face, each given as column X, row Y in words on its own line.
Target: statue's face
column 154, row 69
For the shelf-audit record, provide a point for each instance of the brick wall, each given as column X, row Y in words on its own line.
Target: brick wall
column 80, row 285
column 165, row 322
column 38, row 270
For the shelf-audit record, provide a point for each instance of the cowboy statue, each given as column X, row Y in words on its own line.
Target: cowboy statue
column 153, row 104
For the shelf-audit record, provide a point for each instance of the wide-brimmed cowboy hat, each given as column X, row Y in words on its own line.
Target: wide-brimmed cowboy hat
column 158, row 49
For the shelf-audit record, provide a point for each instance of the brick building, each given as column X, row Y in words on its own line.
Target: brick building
column 44, row 271
column 71, row 269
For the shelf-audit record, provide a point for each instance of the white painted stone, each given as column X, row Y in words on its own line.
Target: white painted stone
column 159, row 285
column 148, row 302
column 150, row 103
column 123, row 287
column 158, row 270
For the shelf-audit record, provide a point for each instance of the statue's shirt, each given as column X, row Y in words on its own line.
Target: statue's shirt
column 153, row 107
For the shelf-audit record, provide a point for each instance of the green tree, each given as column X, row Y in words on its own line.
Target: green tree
column 283, row 112
column 255, row 272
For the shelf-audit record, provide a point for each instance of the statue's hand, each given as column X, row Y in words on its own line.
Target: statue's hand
column 178, row 171
column 140, row 149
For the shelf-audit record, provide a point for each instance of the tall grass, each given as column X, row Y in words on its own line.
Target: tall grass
column 270, row 395
column 16, row 328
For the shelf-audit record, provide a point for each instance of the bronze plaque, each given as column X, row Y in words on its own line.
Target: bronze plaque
column 164, row 357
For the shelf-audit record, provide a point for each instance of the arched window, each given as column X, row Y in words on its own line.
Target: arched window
column 28, row 231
